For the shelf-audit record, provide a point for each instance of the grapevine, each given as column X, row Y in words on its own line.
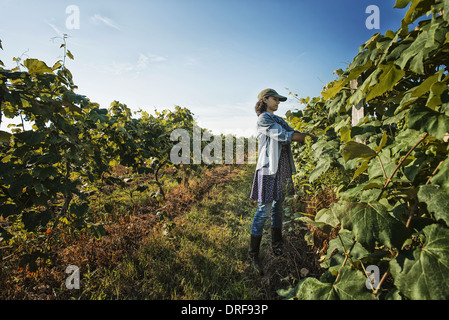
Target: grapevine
column 393, row 213
column 51, row 173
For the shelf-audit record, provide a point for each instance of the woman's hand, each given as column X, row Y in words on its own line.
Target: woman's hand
column 301, row 137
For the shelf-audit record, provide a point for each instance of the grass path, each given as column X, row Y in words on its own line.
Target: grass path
column 202, row 254
column 198, row 255
column 193, row 247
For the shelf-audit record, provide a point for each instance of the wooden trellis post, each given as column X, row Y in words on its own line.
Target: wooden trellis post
column 358, row 110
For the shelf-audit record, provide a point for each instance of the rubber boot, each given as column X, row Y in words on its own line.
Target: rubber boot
column 253, row 254
column 276, row 241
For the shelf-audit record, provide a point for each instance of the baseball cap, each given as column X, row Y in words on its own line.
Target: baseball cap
column 271, row 93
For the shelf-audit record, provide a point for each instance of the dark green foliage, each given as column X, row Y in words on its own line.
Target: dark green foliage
column 398, row 211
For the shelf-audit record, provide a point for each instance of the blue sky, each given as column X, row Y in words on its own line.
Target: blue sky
column 211, row 56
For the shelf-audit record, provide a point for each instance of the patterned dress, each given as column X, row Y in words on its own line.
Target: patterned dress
column 269, row 188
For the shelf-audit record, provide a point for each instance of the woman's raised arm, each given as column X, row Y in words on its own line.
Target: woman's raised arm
column 301, row 137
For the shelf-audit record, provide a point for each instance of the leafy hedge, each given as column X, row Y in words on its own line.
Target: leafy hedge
column 394, row 214
column 50, row 172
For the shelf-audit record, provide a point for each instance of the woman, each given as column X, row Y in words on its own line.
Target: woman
column 273, row 176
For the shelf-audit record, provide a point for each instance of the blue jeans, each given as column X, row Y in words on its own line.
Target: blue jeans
column 263, row 212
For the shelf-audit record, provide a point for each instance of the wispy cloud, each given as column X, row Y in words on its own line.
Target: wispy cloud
column 55, row 29
column 120, row 68
column 145, row 59
column 156, row 58
column 143, row 62
column 190, row 61
column 99, row 19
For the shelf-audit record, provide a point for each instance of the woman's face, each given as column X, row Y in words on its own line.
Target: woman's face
column 272, row 104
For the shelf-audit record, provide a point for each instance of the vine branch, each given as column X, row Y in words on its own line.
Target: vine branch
column 380, row 282
column 434, row 172
column 400, row 164
column 346, row 257
column 382, row 166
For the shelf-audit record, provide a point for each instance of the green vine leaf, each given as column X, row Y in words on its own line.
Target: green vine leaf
column 350, row 286
column 401, row 3
column 442, row 177
column 4, row 136
column 437, row 201
column 37, row 66
column 421, row 274
column 426, row 120
column 371, row 224
column 390, row 76
column 355, row 150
